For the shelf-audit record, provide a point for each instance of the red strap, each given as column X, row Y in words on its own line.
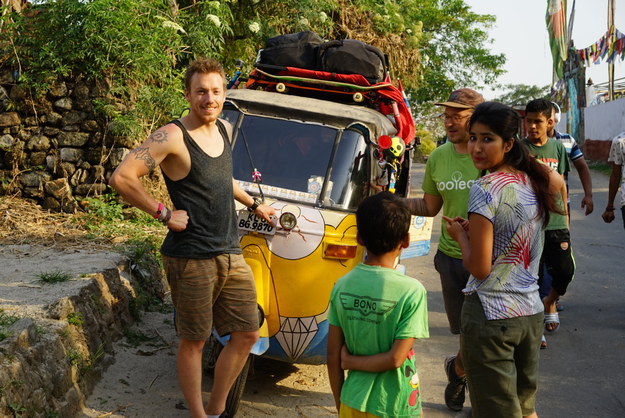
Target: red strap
column 158, row 211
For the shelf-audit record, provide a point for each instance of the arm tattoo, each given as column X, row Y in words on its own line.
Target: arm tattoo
column 143, row 153
column 417, row 206
column 159, row 137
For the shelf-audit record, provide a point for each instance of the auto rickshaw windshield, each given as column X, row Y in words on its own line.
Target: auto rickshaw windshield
column 295, row 159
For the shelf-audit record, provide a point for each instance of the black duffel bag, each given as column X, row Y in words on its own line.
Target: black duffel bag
column 350, row 56
column 292, row 50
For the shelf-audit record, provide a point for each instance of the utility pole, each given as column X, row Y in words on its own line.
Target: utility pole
column 611, row 30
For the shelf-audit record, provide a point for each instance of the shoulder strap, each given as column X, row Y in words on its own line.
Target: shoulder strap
column 223, row 131
column 180, row 125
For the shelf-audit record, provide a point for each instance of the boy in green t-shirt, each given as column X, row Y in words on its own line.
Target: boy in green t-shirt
column 557, row 257
column 375, row 314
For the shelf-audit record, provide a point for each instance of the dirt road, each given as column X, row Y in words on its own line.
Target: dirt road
column 580, row 372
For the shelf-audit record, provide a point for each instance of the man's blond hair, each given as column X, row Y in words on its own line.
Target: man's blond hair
column 203, row 66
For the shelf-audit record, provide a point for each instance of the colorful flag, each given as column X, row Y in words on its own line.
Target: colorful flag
column 556, row 27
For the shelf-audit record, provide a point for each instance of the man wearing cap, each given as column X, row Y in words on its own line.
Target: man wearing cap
column 449, row 174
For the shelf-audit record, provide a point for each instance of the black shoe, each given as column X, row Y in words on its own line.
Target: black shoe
column 454, row 392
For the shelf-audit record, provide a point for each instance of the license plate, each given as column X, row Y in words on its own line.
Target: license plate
column 248, row 221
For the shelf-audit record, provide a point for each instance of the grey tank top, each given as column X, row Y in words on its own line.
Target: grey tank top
column 207, row 196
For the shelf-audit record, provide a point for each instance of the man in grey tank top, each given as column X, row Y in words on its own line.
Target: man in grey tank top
column 211, row 285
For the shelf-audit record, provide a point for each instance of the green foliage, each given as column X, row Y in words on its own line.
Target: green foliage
column 454, row 48
column 141, row 47
column 6, row 320
column 85, row 363
column 521, row 94
column 142, row 252
column 17, row 409
column 14, row 383
column 138, row 46
column 600, row 166
column 427, row 143
column 55, row 276
column 105, row 216
column 75, row 318
column 122, row 39
column 136, row 338
column 104, row 208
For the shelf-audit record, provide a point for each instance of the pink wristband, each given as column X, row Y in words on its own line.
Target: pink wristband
column 158, row 211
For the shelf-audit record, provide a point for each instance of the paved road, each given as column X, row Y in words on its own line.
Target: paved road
column 582, row 369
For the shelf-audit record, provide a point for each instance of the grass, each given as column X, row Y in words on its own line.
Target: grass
column 600, row 166
column 136, row 338
column 105, row 217
column 17, row 409
column 85, row 363
column 56, row 276
column 75, row 318
column 6, row 320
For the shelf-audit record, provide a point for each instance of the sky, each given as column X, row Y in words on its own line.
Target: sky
column 521, row 34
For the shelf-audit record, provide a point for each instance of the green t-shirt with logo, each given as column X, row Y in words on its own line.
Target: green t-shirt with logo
column 553, row 154
column 450, row 174
column 374, row 306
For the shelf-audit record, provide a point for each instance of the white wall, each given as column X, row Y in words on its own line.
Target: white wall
column 605, row 120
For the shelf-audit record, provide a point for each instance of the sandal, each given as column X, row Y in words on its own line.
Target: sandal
column 543, row 342
column 552, row 319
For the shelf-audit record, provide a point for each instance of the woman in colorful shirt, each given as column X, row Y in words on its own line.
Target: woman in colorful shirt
column 502, row 241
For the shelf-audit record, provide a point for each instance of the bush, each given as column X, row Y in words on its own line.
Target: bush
column 141, row 47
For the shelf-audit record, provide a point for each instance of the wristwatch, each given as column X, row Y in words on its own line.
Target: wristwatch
column 256, row 203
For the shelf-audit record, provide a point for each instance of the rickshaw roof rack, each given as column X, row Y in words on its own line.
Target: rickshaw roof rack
column 309, row 109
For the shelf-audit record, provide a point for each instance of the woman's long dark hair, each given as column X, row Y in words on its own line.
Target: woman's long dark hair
column 506, row 122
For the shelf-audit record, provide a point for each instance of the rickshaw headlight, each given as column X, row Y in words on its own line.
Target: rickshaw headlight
column 341, row 251
column 288, row 221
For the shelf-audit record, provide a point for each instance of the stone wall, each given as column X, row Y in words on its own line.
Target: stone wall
column 55, row 149
column 50, row 362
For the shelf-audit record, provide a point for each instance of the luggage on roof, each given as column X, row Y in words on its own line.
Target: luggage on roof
column 292, row 50
column 350, row 56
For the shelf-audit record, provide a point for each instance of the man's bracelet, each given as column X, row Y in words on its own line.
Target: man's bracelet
column 159, row 210
column 609, row 208
column 164, row 216
column 257, row 203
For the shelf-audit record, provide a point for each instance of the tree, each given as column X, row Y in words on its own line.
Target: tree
column 433, row 45
column 143, row 46
column 520, row 94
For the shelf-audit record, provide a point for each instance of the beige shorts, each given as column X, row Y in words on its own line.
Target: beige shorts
column 217, row 292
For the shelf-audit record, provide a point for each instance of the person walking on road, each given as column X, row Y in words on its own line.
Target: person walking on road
column 557, row 255
column 576, row 157
column 375, row 314
column 449, row 174
column 211, row 285
column 502, row 316
column 617, row 178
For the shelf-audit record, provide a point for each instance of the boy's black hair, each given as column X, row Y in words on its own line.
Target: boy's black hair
column 383, row 221
column 542, row 106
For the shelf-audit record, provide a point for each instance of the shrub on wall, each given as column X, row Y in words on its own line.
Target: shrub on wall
column 140, row 47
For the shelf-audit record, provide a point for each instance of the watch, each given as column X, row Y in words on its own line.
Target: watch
column 256, row 203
